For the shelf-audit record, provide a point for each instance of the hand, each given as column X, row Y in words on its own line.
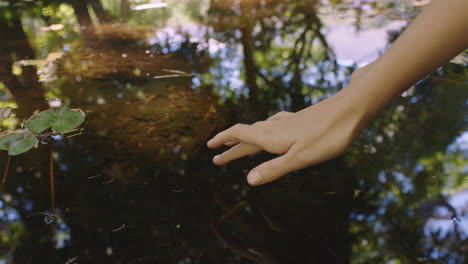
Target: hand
column 325, row 130
column 310, row 136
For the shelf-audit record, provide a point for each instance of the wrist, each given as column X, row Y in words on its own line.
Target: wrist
column 369, row 90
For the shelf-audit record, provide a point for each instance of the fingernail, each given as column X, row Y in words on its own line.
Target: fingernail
column 255, row 178
column 216, row 158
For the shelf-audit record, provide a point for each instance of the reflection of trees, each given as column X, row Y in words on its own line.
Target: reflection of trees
column 29, row 96
column 25, row 88
column 409, row 170
column 166, row 208
column 418, row 125
column 82, row 11
column 140, row 94
column 297, row 25
column 163, row 104
column 281, row 41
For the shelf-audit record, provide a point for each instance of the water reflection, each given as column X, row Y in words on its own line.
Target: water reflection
column 138, row 185
column 262, row 240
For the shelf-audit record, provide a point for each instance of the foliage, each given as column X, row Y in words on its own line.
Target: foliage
column 58, row 120
column 18, row 142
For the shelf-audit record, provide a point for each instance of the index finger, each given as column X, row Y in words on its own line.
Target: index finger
column 239, row 133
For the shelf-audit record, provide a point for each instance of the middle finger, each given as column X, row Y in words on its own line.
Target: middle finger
column 238, row 151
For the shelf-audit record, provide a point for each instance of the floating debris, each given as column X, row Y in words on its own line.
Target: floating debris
column 109, row 181
column 118, row 229
column 71, row 260
column 6, row 112
column 49, row 218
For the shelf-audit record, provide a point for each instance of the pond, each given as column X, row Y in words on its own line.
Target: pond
column 135, row 182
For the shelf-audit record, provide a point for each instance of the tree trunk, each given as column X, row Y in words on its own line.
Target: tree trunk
column 101, row 14
column 82, row 13
column 26, row 89
column 246, row 28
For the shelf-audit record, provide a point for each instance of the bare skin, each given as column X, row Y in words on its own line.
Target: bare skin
column 325, row 130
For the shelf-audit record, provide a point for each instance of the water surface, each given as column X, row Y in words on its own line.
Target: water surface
column 157, row 80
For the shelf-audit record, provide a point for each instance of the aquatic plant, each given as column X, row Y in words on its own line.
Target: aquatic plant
column 40, row 125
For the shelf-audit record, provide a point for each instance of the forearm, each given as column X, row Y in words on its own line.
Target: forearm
column 438, row 34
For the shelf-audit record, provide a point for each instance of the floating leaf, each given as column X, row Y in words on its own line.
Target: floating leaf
column 23, row 144
column 18, row 142
column 6, row 138
column 67, row 120
column 61, row 120
column 41, row 121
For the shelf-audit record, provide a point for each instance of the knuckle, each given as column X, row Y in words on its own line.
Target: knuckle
column 296, row 158
column 237, row 126
column 236, row 129
column 258, row 123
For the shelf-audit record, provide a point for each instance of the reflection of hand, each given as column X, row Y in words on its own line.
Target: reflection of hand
column 260, row 244
column 262, row 240
column 310, row 136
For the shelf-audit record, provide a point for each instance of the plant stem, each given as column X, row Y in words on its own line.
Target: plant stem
column 51, row 174
column 7, row 167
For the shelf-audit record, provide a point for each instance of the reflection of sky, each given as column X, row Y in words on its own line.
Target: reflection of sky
column 443, row 223
column 359, row 47
column 9, row 215
column 461, row 143
column 350, row 47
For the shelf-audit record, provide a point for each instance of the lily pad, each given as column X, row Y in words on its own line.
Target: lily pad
column 18, row 142
column 41, row 121
column 61, row 120
column 27, row 142
column 67, row 120
column 6, row 138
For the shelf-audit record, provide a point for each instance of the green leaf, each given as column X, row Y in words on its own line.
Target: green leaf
column 67, row 120
column 6, row 138
column 23, row 144
column 41, row 121
column 18, row 142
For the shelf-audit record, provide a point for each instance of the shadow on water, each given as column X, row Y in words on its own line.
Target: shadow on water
column 138, row 186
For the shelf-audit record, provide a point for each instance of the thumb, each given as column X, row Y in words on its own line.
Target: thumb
column 270, row 170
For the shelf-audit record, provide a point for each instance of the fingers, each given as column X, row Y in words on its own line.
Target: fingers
column 280, row 115
column 235, row 152
column 247, row 140
column 271, row 170
column 237, row 133
column 231, row 143
column 243, row 133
